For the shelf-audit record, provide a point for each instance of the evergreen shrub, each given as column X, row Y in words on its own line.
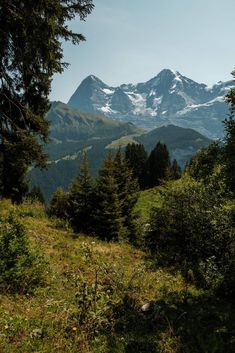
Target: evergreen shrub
column 21, row 269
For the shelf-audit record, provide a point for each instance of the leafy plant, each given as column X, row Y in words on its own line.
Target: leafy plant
column 193, row 229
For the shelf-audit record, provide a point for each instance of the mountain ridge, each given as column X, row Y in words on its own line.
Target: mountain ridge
column 73, row 132
column 167, row 98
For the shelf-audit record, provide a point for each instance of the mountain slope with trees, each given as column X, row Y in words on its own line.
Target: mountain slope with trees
column 73, row 132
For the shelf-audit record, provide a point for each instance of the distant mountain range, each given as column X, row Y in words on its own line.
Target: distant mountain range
column 168, row 98
column 73, row 132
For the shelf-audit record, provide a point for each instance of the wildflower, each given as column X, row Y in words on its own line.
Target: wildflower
column 6, row 326
column 74, row 328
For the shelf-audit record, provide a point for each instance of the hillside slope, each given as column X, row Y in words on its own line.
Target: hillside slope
column 73, row 132
column 182, row 143
column 69, row 124
column 93, row 295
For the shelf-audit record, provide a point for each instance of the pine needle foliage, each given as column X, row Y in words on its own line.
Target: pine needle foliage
column 108, row 217
column 136, row 157
column 31, row 34
column 158, row 165
column 80, row 199
column 127, row 192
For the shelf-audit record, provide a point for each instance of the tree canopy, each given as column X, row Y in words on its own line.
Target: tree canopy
column 229, row 149
column 30, row 54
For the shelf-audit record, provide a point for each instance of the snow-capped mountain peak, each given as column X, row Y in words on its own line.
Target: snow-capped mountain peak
column 169, row 97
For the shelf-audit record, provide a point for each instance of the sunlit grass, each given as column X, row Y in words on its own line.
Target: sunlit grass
column 119, row 280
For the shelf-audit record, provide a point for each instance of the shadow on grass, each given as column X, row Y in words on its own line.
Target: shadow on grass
column 185, row 323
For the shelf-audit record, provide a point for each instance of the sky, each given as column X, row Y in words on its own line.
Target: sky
column 130, row 41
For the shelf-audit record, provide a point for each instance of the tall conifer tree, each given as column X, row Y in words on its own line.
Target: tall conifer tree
column 229, row 149
column 81, row 193
column 30, row 54
column 136, row 157
column 158, row 165
column 127, row 191
column 175, row 170
column 107, row 214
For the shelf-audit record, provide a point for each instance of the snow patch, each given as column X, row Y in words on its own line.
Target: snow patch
column 138, row 100
column 177, row 77
column 195, row 107
column 157, row 101
column 106, row 109
column 152, row 93
column 108, row 91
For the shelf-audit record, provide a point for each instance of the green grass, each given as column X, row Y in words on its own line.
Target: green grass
column 148, row 199
column 122, row 142
column 91, row 301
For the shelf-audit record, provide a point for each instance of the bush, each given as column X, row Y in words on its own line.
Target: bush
column 21, row 269
column 59, row 205
column 35, row 195
column 193, row 229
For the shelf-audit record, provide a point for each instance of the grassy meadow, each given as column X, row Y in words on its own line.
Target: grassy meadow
column 92, row 296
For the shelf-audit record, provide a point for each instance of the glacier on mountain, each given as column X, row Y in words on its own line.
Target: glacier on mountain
column 167, row 98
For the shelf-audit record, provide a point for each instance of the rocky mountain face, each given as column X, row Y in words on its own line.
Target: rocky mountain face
column 168, row 98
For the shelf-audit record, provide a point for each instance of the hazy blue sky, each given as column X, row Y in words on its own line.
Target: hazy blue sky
column 132, row 40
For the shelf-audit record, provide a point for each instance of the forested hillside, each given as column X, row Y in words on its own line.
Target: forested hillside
column 73, row 132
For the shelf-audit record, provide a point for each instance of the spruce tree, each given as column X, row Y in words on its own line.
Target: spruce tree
column 230, row 97
column 175, row 170
column 158, row 165
column 229, row 153
column 136, row 157
column 107, row 209
column 229, row 149
column 81, row 193
column 31, row 52
column 127, row 191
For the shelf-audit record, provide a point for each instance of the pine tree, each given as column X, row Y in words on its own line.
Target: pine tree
column 136, row 157
column 229, row 153
column 175, row 170
column 158, row 165
column 230, row 97
column 127, row 191
column 107, row 214
column 30, row 54
column 81, row 193
column 229, row 149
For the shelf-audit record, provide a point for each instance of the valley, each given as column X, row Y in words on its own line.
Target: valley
column 73, row 132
